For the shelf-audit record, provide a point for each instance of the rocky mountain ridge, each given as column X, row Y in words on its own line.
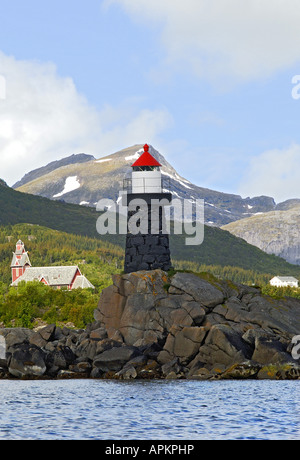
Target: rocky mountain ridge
column 275, row 232
column 39, row 172
column 86, row 183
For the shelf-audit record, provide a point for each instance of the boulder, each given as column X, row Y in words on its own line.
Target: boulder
column 82, row 367
column 99, row 334
column 115, row 358
column 202, row 291
column 183, row 343
column 225, row 346
column 112, row 305
column 26, row 361
column 47, row 332
column 60, row 358
column 16, row 335
column 128, row 372
column 37, row 339
column 270, row 350
column 86, row 349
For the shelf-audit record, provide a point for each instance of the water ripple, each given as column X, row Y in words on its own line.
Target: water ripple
column 155, row 410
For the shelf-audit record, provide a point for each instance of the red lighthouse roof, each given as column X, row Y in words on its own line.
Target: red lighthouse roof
column 146, row 159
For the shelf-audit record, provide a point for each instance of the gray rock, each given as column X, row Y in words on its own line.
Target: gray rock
column 16, row 335
column 61, row 358
column 127, row 373
column 269, row 350
column 276, row 315
column 202, row 323
column 115, row 358
column 275, row 232
column 47, row 332
column 26, row 360
column 183, row 343
column 106, row 344
column 100, row 333
column 225, row 346
column 38, row 340
column 201, row 291
column 86, row 349
column 82, row 367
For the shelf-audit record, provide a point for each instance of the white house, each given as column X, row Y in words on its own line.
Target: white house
column 284, row 281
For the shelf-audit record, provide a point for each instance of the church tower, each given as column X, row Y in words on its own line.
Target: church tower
column 20, row 261
column 147, row 242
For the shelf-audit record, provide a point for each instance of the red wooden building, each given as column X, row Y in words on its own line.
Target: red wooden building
column 69, row 277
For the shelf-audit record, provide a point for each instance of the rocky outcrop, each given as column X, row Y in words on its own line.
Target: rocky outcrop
column 150, row 325
column 201, row 326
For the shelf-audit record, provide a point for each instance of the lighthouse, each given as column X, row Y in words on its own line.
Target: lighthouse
column 147, row 241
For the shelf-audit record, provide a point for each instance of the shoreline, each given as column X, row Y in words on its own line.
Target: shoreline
column 152, row 326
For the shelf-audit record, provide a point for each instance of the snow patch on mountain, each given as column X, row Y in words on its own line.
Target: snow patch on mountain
column 176, row 178
column 71, row 184
column 135, row 156
column 104, row 160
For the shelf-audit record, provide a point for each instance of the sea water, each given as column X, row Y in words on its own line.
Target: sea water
column 149, row 410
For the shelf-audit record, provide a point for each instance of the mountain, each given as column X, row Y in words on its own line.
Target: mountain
column 17, row 207
column 220, row 248
column 3, row 183
column 36, row 173
column 275, row 232
column 83, row 180
column 86, row 183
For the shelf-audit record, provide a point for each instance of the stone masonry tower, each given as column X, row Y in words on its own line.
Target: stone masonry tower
column 147, row 242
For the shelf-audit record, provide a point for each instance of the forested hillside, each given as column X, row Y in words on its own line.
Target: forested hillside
column 219, row 247
column 98, row 260
column 27, row 305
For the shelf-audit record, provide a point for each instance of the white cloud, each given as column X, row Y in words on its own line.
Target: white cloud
column 221, row 38
column 44, row 118
column 274, row 173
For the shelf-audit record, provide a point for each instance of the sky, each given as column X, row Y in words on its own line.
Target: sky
column 214, row 85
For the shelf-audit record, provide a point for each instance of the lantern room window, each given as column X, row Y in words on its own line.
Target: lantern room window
column 145, row 168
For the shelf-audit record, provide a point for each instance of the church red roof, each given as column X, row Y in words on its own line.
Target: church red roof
column 146, row 159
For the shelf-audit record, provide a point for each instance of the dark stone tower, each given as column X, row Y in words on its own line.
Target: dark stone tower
column 147, row 241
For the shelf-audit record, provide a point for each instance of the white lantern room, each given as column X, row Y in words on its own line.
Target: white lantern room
column 146, row 174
